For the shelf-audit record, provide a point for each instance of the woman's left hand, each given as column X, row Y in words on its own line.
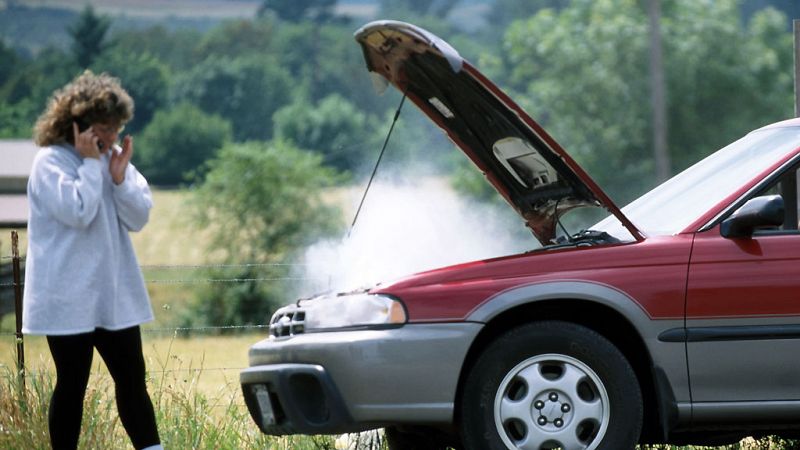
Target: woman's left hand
column 119, row 160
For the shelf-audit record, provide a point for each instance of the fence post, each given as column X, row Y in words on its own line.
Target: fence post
column 18, row 308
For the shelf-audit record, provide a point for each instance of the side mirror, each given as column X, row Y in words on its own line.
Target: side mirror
column 757, row 212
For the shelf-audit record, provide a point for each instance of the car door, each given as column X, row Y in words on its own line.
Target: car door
column 743, row 310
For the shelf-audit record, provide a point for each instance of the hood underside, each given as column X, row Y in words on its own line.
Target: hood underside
column 529, row 169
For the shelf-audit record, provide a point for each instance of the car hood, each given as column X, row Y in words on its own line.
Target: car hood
column 527, row 166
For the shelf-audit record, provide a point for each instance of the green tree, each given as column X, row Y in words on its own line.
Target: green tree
column 176, row 48
column 437, row 8
column 16, row 120
column 144, row 77
column 317, row 11
column 178, row 142
column 238, row 38
column 323, row 59
column 88, row 34
column 9, row 61
column 246, row 90
column 263, row 202
column 583, row 72
column 33, row 82
column 334, row 128
column 724, row 79
column 503, row 12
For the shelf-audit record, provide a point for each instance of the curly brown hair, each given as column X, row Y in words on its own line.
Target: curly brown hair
column 88, row 98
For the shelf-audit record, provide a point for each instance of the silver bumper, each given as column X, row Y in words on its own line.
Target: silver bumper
column 336, row 382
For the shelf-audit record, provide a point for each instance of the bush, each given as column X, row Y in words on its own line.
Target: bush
column 334, row 128
column 177, row 143
column 245, row 90
column 262, row 203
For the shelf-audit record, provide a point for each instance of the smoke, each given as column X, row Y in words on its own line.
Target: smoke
column 408, row 227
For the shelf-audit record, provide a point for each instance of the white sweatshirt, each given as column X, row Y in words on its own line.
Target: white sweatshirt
column 81, row 272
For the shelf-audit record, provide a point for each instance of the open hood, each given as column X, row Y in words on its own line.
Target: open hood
column 529, row 169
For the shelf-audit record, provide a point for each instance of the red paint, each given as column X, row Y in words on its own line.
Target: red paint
column 652, row 273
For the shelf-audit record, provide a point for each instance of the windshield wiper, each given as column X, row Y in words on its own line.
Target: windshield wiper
column 594, row 237
column 583, row 238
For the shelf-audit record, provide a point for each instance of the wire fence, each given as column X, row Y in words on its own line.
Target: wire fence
column 187, row 279
column 6, row 285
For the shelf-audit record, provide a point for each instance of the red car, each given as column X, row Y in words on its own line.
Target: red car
column 675, row 319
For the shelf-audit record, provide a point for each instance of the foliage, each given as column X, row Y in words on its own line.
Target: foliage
column 16, row 119
column 263, row 202
column 88, row 34
column 186, row 418
column 334, row 128
column 245, row 90
column 238, row 38
column 317, row 11
column 8, row 62
column 436, row 8
column 21, row 26
column 177, row 143
column 177, row 49
column 37, row 80
column 504, row 12
column 143, row 76
column 583, row 71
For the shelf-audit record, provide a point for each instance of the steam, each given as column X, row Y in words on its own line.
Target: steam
column 405, row 228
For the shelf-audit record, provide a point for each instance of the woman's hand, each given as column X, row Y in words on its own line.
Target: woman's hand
column 119, row 160
column 86, row 142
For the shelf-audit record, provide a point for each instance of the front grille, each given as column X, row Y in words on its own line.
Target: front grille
column 287, row 322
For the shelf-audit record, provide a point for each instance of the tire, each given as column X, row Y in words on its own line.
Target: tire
column 551, row 384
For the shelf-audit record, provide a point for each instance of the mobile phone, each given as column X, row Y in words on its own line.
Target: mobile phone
column 83, row 125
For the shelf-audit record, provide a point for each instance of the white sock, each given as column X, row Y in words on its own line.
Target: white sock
column 154, row 447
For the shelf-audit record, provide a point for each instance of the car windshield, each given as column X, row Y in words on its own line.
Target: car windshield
column 672, row 206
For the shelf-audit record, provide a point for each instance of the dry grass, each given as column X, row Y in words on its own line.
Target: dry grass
column 211, row 364
column 193, row 380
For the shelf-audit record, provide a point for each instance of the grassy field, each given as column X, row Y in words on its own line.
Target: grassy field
column 192, row 375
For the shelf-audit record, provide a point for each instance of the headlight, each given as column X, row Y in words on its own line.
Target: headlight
column 353, row 310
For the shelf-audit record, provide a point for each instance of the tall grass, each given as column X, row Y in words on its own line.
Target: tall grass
column 187, row 418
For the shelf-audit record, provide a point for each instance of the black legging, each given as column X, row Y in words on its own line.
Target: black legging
column 122, row 352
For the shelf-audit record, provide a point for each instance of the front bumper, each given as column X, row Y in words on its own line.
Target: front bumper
column 344, row 381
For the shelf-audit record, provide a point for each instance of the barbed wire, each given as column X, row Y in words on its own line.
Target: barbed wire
column 203, row 328
column 176, row 330
column 216, row 266
column 223, row 280
column 203, row 280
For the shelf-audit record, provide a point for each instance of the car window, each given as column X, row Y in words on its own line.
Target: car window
column 787, row 187
column 678, row 202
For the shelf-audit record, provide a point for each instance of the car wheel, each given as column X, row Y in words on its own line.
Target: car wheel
column 548, row 385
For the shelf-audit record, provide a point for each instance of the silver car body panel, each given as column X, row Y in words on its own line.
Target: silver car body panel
column 756, row 368
column 407, row 374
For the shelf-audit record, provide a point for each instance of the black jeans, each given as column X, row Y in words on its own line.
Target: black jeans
column 122, row 352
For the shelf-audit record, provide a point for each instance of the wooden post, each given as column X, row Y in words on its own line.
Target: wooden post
column 18, row 308
column 796, row 23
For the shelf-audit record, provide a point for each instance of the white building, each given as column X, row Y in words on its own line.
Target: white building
column 16, row 159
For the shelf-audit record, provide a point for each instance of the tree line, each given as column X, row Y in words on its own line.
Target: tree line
column 260, row 115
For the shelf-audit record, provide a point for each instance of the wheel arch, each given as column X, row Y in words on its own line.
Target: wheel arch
column 597, row 316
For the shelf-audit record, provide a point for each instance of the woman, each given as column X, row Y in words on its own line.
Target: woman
column 83, row 286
